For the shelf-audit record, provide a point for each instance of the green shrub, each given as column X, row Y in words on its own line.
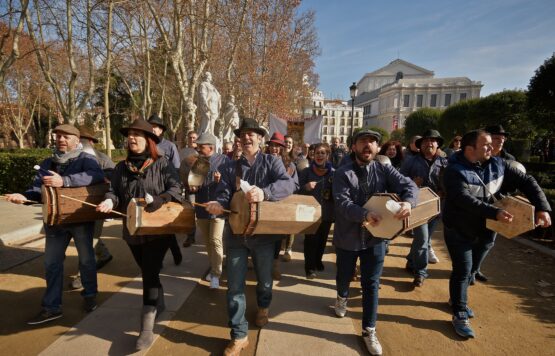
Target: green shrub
column 16, row 168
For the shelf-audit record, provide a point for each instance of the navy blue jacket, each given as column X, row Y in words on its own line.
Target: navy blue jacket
column 169, row 150
column 322, row 191
column 468, row 202
column 81, row 171
column 349, row 197
column 417, row 166
column 207, row 192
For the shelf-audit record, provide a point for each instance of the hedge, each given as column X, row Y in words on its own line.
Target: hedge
column 16, row 168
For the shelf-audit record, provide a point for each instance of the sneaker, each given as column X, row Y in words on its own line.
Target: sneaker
column 44, row 316
column 310, row 275
column 90, row 304
column 208, row 277
column 469, row 311
column 462, row 325
column 214, row 282
column 340, row 306
column 76, row 283
column 480, row 277
column 286, row 256
column 235, row 347
column 432, row 258
column 418, row 281
column 371, row 340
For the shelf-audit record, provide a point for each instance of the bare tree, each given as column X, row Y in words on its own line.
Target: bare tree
column 11, row 34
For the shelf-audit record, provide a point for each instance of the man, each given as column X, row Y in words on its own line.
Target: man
column 185, row 153
column 412, row 150
column 211, row 226
column 192, row 139
column 69, row 166
column 472, row 181
column 227, row 148
column 425, row 169
column 353, row 185
column 337, row 153
column 103, row 255
column 269, row 180
column 498, row 138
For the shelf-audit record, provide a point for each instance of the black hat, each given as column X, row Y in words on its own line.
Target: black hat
column 141, row 125
column 367, row 132
column 249, row 124
column 154, row 119
column 86, row 133
column 497, row 130
column 430, row 134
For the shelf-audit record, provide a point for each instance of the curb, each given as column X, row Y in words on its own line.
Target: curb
column 21, row 236
column 534, row 245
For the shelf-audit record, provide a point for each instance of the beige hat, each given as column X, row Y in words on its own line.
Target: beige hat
column 68, row 129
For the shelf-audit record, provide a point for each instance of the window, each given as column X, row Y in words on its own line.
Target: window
column 406, row 100
column 332, row 130
column 419, row 99
column 447, row 100
column 356, row 123
column 342, row 131
column 463, row 96
column 342, row 122
column 433, row 100
column 332, row 121
column 325, row 130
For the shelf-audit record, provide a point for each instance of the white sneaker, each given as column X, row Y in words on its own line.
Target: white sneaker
column 371, row 340
column 286, row 256
column 432, row 258
column 208, row 277
column 214, row 282
column 340, row 306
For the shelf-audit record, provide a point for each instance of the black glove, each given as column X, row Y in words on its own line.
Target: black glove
column 157, row 202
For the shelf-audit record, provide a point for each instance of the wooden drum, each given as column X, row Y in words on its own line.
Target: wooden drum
column 296, row 214
column 59, row 210
column 171, row 218
column 523, row 217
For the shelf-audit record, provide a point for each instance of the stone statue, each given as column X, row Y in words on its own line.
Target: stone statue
column 209, row 104
column 231, row 120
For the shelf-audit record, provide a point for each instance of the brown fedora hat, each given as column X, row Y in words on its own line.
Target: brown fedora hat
column 140, row 125
column 86, row 133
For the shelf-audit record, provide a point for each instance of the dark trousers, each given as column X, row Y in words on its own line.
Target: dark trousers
column 465, row 255
column 371, row 267
column 149, row 256
column 314, row 246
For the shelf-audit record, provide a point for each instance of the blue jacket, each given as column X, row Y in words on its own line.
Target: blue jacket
column 268, row 173
column 169, row 150
column 81, row 171
column 418, row 166
column 322, row 191
column 350, row 196
column 207, row 192
column 468, row 203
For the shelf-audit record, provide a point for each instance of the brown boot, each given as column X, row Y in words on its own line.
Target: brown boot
column 276, row 274
column 262, row 317
column 235, row 347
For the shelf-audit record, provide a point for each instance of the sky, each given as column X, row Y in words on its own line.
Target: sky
column 498, row 42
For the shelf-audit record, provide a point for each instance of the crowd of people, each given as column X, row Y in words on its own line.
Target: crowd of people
column 469, row 175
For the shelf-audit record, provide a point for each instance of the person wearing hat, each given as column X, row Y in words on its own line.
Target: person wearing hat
column 103, row 255
column 211, row 226
column 473, row 181
column 169, row 150
column 69, row 166
column 268, row 180
column 498, row 138
column 425, row 169
column 144, row 174
column 353, row 185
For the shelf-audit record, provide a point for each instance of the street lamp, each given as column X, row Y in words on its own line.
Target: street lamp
column 353, row 91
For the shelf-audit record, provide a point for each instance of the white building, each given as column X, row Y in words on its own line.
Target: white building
column 336, row 117
column 388, row 95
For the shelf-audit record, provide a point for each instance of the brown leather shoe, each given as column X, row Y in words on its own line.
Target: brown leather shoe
column 262, row 317
column 235, row 347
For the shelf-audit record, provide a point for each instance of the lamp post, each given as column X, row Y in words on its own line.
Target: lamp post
column 353, row 91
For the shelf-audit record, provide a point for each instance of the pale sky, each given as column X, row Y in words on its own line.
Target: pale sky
column 498, row 42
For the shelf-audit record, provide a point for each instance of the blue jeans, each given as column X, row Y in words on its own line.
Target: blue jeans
column 237, row 255
column 421, row 242
column 371, row 267
column 57, row 240
column 464, row 254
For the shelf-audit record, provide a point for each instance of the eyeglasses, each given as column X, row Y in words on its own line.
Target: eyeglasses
column 457, row 140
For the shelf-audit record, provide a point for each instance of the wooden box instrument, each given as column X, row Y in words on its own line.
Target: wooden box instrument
column 171, row 218
column 59, row 210
column 523, row 217
column 296, row 214
column 427, row 207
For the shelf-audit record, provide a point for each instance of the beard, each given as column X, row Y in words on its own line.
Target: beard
column 366, row 156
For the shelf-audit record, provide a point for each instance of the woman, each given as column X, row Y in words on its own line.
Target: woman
column 394, row 151
column 316, row 180
column 147, row 175
column 454, row 146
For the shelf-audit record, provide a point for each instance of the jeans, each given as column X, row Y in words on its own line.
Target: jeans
column 237, row 254
column 212, row 230
column 371, row 267
column 57, row 240
column 464, row 254
column 421, row 242
column 314, row 246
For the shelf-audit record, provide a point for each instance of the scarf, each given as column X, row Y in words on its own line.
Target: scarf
column 138, row 163
column 320, row 170
column 62, row 158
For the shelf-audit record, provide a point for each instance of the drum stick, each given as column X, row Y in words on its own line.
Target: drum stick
column 205, row 205
column 25, row 201
column 89, row 204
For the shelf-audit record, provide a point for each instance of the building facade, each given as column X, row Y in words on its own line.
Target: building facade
column 336, row 116
column 388, row 95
